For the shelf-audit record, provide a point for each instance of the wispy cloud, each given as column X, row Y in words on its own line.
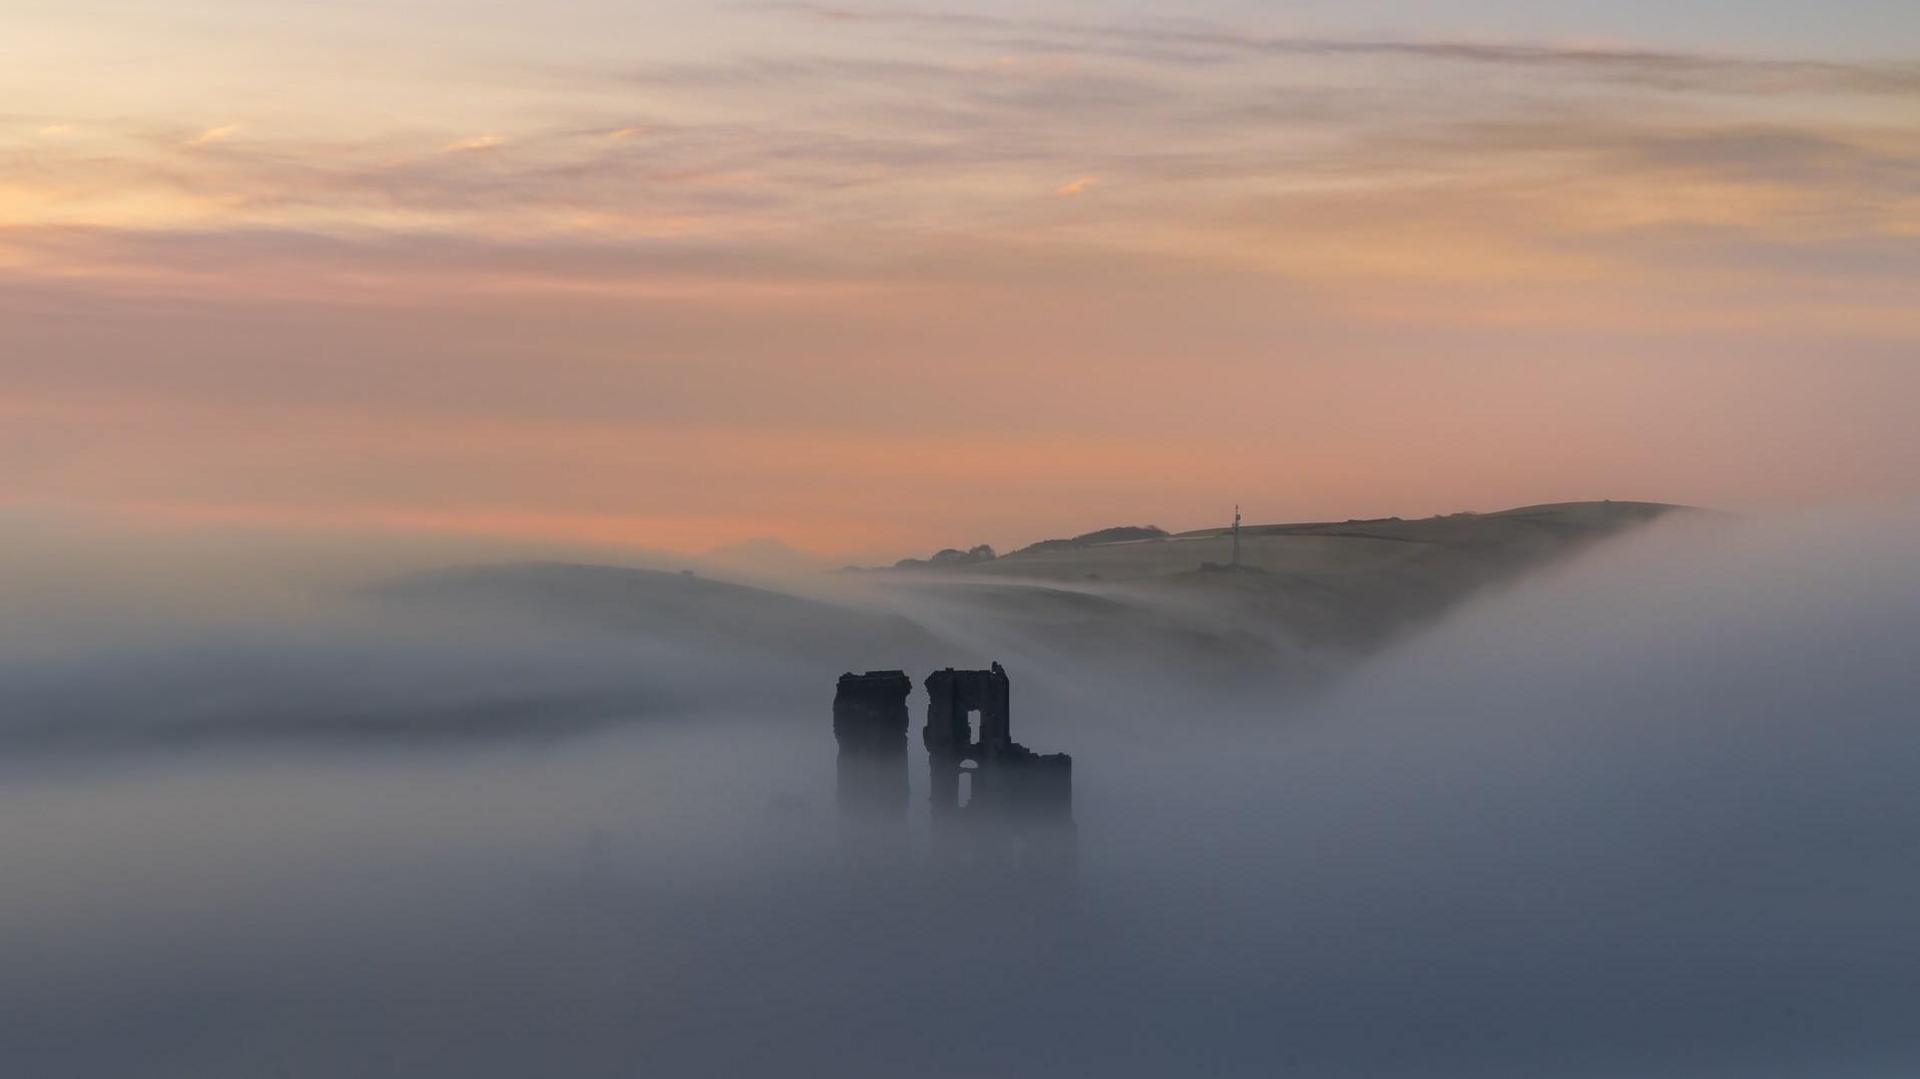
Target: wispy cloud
column 474, row 142
column 214, row 134
column 1654, row 67
column 1430, row 175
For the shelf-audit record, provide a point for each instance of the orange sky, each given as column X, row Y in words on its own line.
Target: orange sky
column 878, row 280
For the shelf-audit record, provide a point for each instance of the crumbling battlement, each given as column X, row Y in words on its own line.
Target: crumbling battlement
column 951, row 696
column 870, row 710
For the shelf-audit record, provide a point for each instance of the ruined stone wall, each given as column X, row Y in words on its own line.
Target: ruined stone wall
column 870, row 723
column 1019, row 803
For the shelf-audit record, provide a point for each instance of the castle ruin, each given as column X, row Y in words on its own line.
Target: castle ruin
column 981, row 782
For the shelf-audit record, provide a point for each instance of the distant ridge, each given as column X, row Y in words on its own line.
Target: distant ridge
column 1355, row 525
column 1576, row 516
column 1117, row 534
column 953, row 557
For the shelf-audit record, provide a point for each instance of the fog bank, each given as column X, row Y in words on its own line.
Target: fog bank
column 1646, row 814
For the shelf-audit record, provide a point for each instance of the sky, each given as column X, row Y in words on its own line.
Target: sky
column 879, row 278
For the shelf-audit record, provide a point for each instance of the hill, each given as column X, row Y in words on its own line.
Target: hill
column 1306, row 597
column 1306, row 600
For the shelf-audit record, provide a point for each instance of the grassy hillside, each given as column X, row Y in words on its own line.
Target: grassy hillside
column 1307, row 596
column 1132, row 603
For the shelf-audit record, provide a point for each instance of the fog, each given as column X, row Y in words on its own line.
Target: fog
column 1647, row 813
